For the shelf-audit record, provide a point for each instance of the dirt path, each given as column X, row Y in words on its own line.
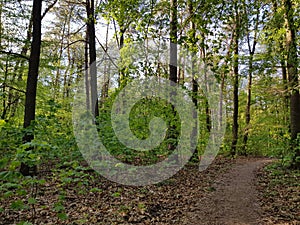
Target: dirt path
column 233, row 197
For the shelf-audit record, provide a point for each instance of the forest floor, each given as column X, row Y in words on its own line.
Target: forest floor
column 230, row 191
column 234, row 199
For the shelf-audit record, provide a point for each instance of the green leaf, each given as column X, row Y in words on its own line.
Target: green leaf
column 18, row 205
column 116, row 194
column 58, row 207
column 32, row 201
column 10, row 186
column 21, row 192
column 9, row 175
column 96, row 190
column 8, row 194
column 62, row 216
column 3, row 163
column 14, row 164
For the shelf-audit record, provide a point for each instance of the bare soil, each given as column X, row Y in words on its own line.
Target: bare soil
column 234, row 197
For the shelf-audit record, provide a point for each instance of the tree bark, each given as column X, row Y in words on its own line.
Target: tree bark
column 173, row 41
column 286, row 89
column 292, row 63
column 173, row 67
column 194, row 79
column 86, row 73
column 32, row 79
column 92, row 54
column 235, row 125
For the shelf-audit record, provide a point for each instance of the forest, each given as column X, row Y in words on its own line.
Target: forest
column 149, row 112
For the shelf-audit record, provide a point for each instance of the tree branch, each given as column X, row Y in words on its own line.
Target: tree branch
column 74, row 42
column 15, row 54
column 13, row 88
column 49, row 8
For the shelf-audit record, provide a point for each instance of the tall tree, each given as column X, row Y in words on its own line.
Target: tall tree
column 173, row 41
column 90, row 8
column 292, row 64
column 235, row 125
column 173, row 64
column 251, row 19
column 194, row 79
column 31, row 88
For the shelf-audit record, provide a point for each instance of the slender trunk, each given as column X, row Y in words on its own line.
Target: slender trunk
column 107, row 68
column 224, row 73
column 173, row 42
column 248, row 105
column 86, row 73
column 194, row 81
column 68, row 71
column 206, row 103
column 3, row 88
column 1, row 33
column 235, row 125
column 4, row 112
column 92, row 54
column 57, row 76
column 283, row 69
column 122, row 78
column 173, row 68
column 285, row 86
column 104, row 90
column 251, row 50
column 32, row 79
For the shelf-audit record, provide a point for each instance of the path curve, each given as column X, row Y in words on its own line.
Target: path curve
column 233, row 197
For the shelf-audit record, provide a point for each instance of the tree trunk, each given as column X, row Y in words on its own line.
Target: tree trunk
column 173, row 42
column 92, row 53
column 283, row 69
column 1, row 25
column 86, row 72
column 173, row 66
column 251, row 50
column 248, row 106
column 292, row 63
column 122, row 75
column 32, row 79
column 235, row 125
column 286, row 89
column 194, row 81
column 61, row 48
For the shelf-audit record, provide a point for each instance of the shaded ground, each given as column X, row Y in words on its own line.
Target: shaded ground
column 223, row 194
column 279, row 194
column 234, row 197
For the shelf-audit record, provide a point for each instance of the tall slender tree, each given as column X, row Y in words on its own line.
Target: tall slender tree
column 251, row 50
column 194, row 79
column 31, row 88
column 235, row 125
column 173, row 64
column 90, row 8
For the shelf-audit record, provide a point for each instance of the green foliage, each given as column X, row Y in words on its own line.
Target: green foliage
column 25, row 223
column 140, row 116
column 11, row 135
column 18, row 205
